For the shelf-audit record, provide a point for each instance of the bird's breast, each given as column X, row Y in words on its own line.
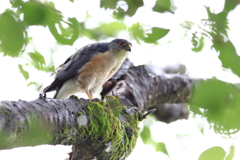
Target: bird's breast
column 98, row 70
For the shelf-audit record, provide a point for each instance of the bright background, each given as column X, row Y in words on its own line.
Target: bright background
column 183, row 138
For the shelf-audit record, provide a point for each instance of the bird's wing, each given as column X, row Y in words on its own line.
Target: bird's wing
column 74, row 63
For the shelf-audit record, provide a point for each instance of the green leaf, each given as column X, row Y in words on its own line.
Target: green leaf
column 230, row 5
column 214, row 153
column 24, row 73
column 133, row 5
column 16, row 3
column 137, row 32
column 161, row 147
column 105, row 30
column 11, row 35
column 228, row 56
column 219, row 102
column 163, row 6
column 219, row 21
column 108, row 4
column 145, row 134
column 37, row 58
column 68, row 35
column 157, row 33
column 38, row 62
column 37, row 13
column 39, row 87
column 210, row 99
column 119, row 13
column 218, row 24
column 231, row 153
column 34, row 13
column 31, row 83
column 197, row 43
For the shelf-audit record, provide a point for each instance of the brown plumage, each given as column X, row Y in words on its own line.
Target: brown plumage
column 89, row 68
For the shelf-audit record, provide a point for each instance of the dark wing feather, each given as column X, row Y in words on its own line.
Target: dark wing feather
column 74, row 63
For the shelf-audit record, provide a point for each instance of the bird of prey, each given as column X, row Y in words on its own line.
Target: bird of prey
column 89, row 68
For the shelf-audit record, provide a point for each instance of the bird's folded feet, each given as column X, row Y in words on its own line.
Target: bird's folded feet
column 42, row 96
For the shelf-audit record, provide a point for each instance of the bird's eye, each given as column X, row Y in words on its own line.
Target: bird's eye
column 121, row 44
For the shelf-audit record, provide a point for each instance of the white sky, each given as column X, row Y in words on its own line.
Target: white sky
column 200, row 65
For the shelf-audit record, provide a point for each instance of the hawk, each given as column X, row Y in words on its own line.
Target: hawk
column 89, row 68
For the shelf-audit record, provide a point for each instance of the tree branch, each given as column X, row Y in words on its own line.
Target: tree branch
column 137, row 87
column 103, row 129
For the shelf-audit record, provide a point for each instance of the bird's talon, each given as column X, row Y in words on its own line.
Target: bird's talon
column 146, row 114
column 42, row 95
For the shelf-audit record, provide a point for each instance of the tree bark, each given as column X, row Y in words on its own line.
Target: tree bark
column 148, row 87
column 97, row 129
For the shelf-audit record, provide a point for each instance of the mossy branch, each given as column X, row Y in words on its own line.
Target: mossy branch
column 141, row 87
column 104, row 129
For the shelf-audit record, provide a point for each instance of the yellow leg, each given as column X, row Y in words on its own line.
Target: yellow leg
column 89, row 95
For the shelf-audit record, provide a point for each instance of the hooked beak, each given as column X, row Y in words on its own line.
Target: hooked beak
column 128, row 47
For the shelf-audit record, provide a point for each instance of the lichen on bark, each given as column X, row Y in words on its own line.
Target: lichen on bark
column 112, row 129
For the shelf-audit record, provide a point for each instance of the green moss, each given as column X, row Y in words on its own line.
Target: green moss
column 66, row 130
column 79, row 113
column 7, row 112
column 105, row 126
column 73, row 97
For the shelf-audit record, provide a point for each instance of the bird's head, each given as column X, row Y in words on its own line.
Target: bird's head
column 118, row 46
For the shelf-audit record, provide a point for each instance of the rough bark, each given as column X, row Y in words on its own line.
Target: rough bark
column 102, row 129
column 147, row 91
column 144, row 88
column 170, row 112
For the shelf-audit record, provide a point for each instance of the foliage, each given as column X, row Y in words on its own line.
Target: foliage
column 147, row 139
column 164, row 6
column 216, row 153
column 220, row 105
column 24, row 73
